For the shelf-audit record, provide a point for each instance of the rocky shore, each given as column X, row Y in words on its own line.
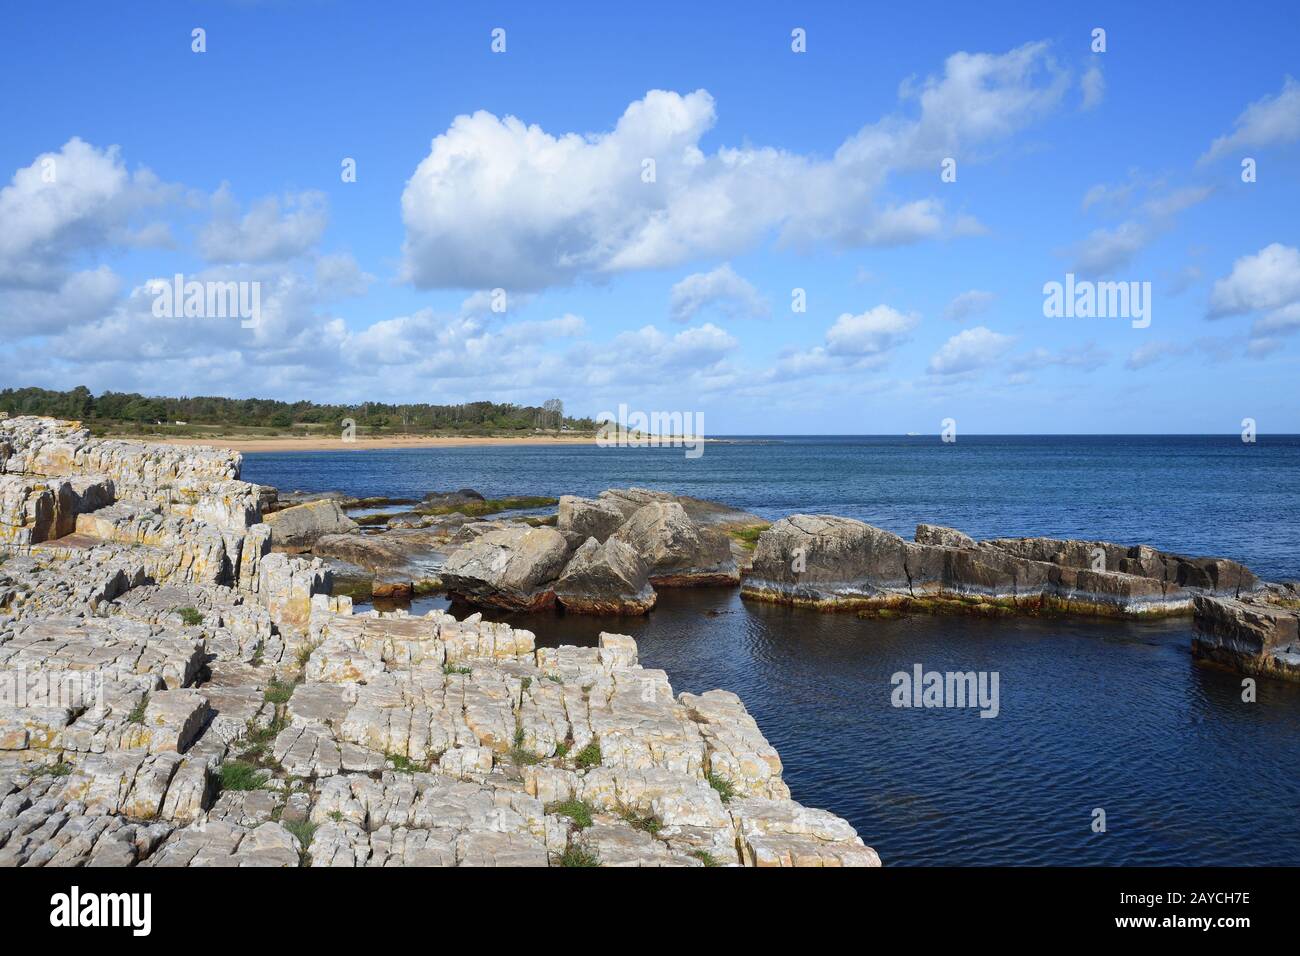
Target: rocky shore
column 612, row 554
column 181, row 682
column 178, row 689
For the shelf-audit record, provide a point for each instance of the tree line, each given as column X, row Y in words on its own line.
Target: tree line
column 130, row 407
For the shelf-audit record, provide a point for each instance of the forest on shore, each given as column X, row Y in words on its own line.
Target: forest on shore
column 129, row 412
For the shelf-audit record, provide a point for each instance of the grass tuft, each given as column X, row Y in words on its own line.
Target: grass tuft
column 278, row 692
column 404, row 764
column 304, row 655
column 724, row 787
column 748, row 537
column 190, row 616
column 646, row 824
column 588, row 756
column 575, row 810
column 575, row 855
column 241, row 775
column 137, row 712
column 304, row 830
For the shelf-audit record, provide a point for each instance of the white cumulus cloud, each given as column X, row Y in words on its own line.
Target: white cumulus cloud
column 870, row 333
column 499, row 202
column 722, row 289
column 1273, row 119
column 271, row 231
column 967, row 304
column 1269, row 279
column 969, row 351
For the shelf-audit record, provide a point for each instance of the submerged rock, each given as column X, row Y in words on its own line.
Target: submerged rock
column 400, row 551
column 460, row 497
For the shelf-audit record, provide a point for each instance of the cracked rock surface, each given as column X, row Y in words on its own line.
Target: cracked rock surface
column 173, row 692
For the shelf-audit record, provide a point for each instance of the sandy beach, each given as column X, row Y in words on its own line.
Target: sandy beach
column 368, row 444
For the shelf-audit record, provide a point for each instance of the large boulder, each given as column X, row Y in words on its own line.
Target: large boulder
column 1215, row 575
column 677, row 552
column 827, row 560
column 702, row 512
column 1259, row 634
column 605, row 578
column 589, row 517
column 301, row 526
column 833, row 562
column 511, row 568
column 629, row 500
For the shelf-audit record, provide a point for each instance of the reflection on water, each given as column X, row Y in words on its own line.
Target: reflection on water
column 1093, row 714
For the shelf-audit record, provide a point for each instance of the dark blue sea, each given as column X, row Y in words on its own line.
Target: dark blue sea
column 1093, row 715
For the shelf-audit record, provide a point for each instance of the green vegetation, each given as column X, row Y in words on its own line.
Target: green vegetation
column 257, row 660
column 360, row 589
column 336, row 816
column 137, row 712
column 304, row 830
column 379, row 502
column 456, row 669
column 748, row 536
column 304, row 654
column 562, row 749
column 257, row 741
column 129, row 412
column 724, row 787
column 278, row 692
column 241, row 775
column 404, row 764
column 189, row 616
column 575, row 855
column 490, row 506
column 705, row 857
column 648, row 824
column 575, row 810
column 588, row 756
column 522, row 756
column 59, row 769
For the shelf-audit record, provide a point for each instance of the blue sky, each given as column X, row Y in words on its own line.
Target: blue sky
column 774, row 171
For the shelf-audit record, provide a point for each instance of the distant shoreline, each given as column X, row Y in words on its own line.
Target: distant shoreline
column 318, row 443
